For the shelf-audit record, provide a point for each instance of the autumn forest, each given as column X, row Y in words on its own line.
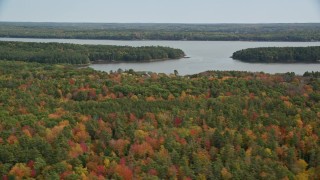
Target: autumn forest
column 62, row 122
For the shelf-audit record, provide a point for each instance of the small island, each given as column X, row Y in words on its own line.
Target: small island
column 54, row 53
column 279, row 55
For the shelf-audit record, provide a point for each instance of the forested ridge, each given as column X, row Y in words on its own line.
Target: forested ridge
column 279, row 54
column 161, row 31
column 55, row 53
column 57, row 121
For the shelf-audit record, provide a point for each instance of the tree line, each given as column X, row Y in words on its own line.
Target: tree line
column 83, row 54
column 279, row 55
column 200, row 32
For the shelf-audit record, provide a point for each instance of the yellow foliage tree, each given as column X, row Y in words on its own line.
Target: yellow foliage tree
column 300, row 166
column 226, row 174
column 20, row 171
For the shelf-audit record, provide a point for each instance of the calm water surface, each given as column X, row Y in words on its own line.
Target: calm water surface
column 204, row 55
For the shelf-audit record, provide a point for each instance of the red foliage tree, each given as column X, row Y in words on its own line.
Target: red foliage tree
column 177, row 121
column 124, row 171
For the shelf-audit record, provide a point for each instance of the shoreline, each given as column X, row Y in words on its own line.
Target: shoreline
column 182, row 40
column 258, row 62
column 147, row 61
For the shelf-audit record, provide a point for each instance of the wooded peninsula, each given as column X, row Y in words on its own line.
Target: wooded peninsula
column 279, row 55
column 161, row 31
column 54, row 53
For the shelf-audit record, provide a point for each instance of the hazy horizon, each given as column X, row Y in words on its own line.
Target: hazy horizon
column 59, row 22
column 153, row 11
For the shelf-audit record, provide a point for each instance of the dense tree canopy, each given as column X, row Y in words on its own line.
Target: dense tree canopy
column 279, row 55
column 57, row 121
column 54, row 53
column 200, row 32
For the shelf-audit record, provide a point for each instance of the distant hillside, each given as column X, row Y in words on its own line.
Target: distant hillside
column 202, row 32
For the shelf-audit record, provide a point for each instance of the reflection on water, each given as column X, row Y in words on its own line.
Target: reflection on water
column 204, row 55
